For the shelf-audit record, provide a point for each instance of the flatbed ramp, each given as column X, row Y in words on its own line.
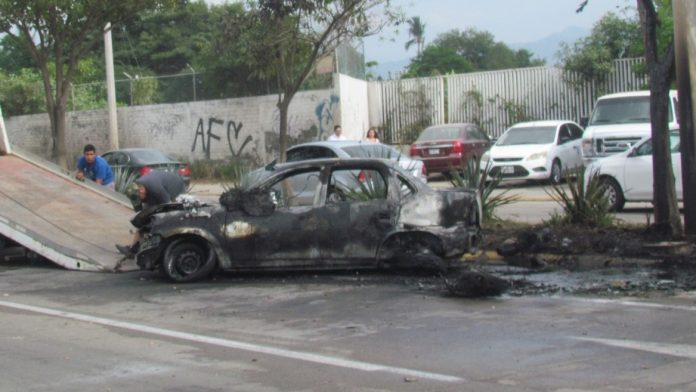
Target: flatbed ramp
column 63, row 220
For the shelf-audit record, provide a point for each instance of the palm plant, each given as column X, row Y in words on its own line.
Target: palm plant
column 416, row 29
column 584, row 200
column 471, row 176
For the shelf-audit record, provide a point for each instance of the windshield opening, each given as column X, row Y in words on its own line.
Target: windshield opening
column 439, row 133
column 528, row 135
column 631, row 110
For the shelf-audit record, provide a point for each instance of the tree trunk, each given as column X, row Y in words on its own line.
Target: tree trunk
column 283, row 107
column 666, row 209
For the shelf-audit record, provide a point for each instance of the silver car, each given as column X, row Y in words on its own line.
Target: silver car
column 356, row 149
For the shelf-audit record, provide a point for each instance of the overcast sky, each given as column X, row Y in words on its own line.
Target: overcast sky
column 510, row 21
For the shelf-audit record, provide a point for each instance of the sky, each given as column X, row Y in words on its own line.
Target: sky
column 510, row 21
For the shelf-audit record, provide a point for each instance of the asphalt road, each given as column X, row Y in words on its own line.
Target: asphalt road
column 79, row 331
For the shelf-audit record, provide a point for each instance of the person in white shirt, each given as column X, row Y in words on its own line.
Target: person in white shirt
column 338, row 134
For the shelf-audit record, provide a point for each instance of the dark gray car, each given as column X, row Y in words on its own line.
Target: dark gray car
column 317, row 214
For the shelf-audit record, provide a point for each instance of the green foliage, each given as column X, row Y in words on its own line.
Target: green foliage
column 583, row 204
column 369, row 188
column 437, row 60
column 515, row 112
column 124, row 182
column 481, row 50
column 21, row 93
column 470, row 176
column 227, row 171
column 416, row 29
column 591, row 58
column 13, row 56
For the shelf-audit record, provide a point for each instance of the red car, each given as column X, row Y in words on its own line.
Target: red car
column 443, row 147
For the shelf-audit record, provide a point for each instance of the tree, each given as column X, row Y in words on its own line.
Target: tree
column 483, row 52
column 62, row 32
column 285, row 40
column 436, row 60
column 660, row 61
column 416, row 30
column 658, row 39
column 612, row 38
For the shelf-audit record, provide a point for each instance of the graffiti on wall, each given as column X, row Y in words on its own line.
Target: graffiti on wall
column 325, row 114
column 207, row 136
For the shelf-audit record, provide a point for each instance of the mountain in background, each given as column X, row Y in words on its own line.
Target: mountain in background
column 545, row 48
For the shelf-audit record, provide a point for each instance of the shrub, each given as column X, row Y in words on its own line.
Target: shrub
column 471, row 176
column 583, row 203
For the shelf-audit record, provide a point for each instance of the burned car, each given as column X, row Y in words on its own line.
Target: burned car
column 318, row 214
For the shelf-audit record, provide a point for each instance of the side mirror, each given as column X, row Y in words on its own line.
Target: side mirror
column 259, row 203
column 584, row 121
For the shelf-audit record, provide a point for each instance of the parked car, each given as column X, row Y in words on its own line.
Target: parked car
column 313, row 214
column 621, row 120
column 540, row 150
column 448, row 146
column 356, row 149
column 628, row 176
column 145, row 160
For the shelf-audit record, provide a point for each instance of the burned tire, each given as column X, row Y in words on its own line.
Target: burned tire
column 556, row 172
column 188, row 260
column 614, row 194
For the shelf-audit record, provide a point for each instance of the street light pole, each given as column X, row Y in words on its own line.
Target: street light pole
column 130, row 86
column 194, row 80
column 110, row 88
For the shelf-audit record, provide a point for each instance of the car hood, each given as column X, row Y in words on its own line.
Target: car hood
column 439, row 207
column 518, row 150
column 636, row 129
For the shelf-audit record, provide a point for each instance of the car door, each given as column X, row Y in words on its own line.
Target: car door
column 563, row 150
column 575, row 157
column 286, row 237
column 638, row 173
column 359, row 213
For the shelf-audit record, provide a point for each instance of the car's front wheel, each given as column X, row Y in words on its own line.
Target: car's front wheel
column 613, row 193
column 556, row 172
column 187, row 260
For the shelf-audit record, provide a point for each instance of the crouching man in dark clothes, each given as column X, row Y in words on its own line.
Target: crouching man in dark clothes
column 154, row 188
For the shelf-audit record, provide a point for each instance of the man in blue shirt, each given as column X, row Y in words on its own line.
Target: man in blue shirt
column 94, row 167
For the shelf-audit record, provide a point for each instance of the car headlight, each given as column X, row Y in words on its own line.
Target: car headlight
column 537, row 156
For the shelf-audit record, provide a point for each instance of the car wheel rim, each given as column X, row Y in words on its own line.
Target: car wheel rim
column 188, row 262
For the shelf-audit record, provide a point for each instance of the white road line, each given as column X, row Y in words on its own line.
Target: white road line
column 677, row 350
column 631, row 303
column 235, row 344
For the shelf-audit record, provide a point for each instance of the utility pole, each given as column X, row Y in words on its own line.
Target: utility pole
column 194, row 81
column 684, row 12
column 110, row 88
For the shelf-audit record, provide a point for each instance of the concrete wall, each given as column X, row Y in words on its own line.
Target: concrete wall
column 244, row 128
column 354, row 105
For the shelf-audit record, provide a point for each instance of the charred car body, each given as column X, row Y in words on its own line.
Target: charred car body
column 318, row 214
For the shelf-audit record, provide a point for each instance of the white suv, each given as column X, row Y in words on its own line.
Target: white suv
column 619, row 121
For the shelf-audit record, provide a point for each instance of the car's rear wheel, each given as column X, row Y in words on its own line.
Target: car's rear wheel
column 556, row 172
column 614, row 194
column 187, row 260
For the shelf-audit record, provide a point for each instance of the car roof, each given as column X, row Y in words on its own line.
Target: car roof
column 335, row 143
column 451, row 125
column 136, row 149
column 337, row 162
column 544, row 123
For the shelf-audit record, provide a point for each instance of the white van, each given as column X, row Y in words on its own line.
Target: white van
column 619, row 121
